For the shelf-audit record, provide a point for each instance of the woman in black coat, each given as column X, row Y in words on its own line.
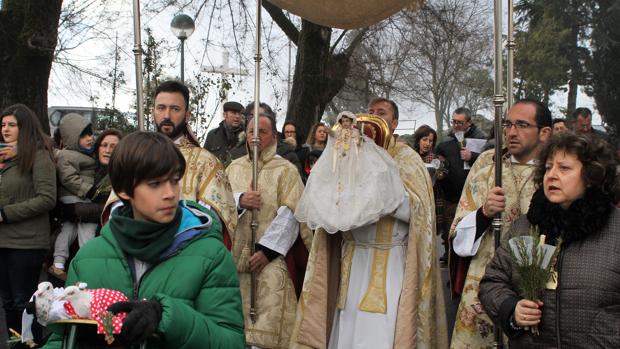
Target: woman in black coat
column 577, row 188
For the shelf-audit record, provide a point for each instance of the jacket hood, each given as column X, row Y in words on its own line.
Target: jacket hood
column 71, row 126
column 194, row 222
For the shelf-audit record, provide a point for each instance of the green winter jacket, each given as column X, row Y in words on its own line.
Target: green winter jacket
column 25, row 200
column 197, row 286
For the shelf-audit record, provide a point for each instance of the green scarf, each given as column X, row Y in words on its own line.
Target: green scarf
column 143, row 240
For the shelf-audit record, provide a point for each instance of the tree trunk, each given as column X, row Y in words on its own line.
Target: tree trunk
column 438, row 121
column 27, row 43
column 546, row 95
column 571, row 103
column 575, row 71
column 606, row 66
column 319, row 76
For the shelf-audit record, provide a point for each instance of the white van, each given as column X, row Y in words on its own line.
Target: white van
column 56, row 113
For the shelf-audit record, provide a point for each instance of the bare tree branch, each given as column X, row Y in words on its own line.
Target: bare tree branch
column 357, row 39
column 282, row 21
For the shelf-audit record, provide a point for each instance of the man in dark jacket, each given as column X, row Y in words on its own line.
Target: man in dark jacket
column 223, row 139
column 283, row 149
column 582, row 124
column 457, row 157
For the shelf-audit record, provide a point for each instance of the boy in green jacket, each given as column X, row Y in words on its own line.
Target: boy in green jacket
column 165, row 255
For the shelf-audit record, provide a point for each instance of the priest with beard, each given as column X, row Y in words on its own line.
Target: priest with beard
column 204, row 180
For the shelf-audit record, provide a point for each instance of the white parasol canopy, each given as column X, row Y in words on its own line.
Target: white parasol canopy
column 345, row 14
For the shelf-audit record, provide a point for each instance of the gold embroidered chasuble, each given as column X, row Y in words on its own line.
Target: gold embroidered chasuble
column 473, row 328
column 420, row 321
column 279, row 184
column 205, row 181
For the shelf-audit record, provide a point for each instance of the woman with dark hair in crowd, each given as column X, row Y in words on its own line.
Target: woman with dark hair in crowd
column 574, row 207
column 290, row 133
column 27, row 194
column 292, row 136
column 424, row 140
column 90, row 212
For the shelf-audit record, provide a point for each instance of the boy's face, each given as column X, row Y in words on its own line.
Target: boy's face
column 86, row 141
column 155, row 200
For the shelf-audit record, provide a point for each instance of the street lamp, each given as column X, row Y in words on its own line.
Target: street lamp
column 182, row 27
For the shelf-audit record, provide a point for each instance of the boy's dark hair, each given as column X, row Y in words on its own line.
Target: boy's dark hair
column 142, row 156
column 174, row 86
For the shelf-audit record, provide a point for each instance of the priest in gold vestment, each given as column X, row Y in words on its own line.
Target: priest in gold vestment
column 378, row 286
column 526, row 128
column 279, row 189
column 204, row 180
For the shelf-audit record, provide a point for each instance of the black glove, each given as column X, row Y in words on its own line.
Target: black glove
column 88, row 212
column 142, row 319
column 68, row 212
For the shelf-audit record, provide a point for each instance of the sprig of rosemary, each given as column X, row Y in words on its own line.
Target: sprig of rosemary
column 528, row 261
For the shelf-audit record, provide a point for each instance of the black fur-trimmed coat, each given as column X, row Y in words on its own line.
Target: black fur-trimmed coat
column 584, row 310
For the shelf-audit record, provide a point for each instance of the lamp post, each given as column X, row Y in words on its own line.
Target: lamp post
column 182, row 27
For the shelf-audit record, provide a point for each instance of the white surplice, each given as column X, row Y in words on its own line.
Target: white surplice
column 352, row 327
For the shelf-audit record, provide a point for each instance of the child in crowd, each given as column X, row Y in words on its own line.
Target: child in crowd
column 164, row 254
column 76, row 166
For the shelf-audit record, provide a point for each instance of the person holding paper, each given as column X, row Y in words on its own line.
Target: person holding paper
column 459, row 158
column 574, row 208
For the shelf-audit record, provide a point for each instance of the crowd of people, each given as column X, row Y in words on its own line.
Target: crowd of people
column 209, row 261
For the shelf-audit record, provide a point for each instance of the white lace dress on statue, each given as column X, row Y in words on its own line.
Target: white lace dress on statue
column 353, row 184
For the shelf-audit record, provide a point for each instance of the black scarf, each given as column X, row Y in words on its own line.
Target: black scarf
column 585, row 217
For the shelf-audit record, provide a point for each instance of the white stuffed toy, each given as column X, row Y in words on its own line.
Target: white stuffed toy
column 45, row 305
column 80, row 300
column 74, row 302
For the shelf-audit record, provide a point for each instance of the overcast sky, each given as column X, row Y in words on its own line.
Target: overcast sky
column 66, row 90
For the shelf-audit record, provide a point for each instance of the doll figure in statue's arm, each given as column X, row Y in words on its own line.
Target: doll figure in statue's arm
column 347, row 136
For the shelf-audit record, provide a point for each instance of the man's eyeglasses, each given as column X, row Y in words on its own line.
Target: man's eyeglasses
column 458, row 122
column 520, row 125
